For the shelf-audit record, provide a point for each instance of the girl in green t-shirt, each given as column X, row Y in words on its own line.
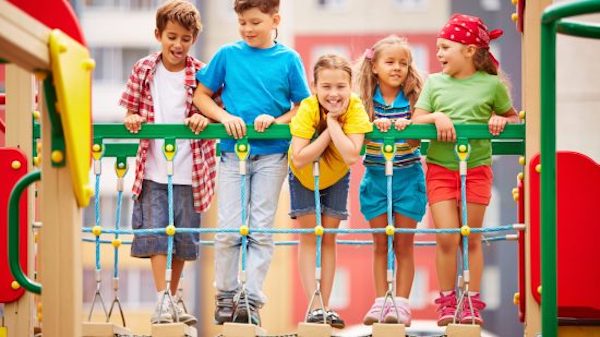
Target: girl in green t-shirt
column 468, row 90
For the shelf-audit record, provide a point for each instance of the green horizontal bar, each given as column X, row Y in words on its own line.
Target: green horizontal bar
column 281, row 131
column 120, row 150
column 579, row 29
column 498, row 148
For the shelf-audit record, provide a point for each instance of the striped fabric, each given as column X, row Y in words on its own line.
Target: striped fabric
column 405, row 154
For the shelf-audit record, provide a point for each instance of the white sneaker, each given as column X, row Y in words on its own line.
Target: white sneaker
column 162, row 314
column 183, row 316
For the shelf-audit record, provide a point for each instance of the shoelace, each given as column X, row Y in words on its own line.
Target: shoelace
column 446, row 302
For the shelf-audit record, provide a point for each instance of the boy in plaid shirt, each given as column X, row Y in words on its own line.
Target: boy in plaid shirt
column 160, row 90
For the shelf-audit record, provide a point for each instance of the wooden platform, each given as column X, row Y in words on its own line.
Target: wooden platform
column 101, row 329
column 173, row 330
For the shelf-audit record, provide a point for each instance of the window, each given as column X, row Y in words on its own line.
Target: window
column 115, row 64
column 332, row 4
column 414, row 5
column 490, row 5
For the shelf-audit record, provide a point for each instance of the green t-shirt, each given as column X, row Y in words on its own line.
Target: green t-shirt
column 466, row 101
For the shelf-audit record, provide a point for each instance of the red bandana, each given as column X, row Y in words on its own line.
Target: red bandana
column 467, row 29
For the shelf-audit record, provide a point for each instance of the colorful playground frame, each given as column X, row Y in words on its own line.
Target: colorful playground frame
column 65, row 188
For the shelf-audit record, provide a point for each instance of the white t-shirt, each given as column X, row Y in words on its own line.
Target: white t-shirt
column 169, row 97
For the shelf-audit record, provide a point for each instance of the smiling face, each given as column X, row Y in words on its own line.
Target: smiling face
column 391, row 66
column 256, row 27
column 456, row 58
column 176, row 42
column 333, row 88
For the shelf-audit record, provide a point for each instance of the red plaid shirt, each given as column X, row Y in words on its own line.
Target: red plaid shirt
column 138, row 99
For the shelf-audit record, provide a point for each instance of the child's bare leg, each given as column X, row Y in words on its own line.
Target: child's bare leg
column 404, row 249
column 328, row 259
column 475, row 214
column 306, row 255
column 159, row 266
column 380, row 255
column 445, row 215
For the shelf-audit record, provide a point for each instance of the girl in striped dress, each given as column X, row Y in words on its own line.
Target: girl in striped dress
column 389, row 86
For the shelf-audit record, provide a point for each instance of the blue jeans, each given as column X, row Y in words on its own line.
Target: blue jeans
column 151, row 210
column 334, row 199
column 264, row 178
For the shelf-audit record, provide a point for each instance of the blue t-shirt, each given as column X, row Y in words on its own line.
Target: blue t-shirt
column 405, row 154
column 255, row 82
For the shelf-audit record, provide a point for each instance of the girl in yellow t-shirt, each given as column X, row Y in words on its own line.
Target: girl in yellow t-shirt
column 328, row 128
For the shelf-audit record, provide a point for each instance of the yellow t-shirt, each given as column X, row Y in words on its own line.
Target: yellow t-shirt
column 331, row 164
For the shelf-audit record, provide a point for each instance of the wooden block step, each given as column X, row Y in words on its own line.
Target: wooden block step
column 314, row 330
column 173, row 330
column 463, row 330
column 388, row 330
column 242, row 330
column 102, row 329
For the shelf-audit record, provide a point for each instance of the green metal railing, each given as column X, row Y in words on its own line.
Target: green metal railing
column 510, row 142
column 553, row 23
column 13, row 233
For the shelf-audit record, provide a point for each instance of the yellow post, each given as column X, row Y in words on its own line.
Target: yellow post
column 19, row 109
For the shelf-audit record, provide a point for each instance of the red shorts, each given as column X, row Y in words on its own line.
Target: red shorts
column 444, row 184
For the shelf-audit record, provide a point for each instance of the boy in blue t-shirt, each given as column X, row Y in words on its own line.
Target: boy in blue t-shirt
column 262, row 83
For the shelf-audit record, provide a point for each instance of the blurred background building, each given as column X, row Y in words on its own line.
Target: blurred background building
column 119, row 32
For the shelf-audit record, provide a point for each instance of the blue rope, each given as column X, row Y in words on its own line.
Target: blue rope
column 465, row 238
column 390, row 222
column 97, row 210
column 307, row 230
column 296, row 242
column 244, row 221
column 318, row 222
column 117, row 227
column 171, row 221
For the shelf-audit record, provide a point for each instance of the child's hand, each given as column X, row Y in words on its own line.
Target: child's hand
column 497, row 124
column 133, row 122
column 262, row 122
column 196, row 122
column 235, row 126
column 401, row 123
column 382, row 124
column 445, row 128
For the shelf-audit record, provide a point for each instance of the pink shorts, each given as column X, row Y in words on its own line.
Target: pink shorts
column 444, row 184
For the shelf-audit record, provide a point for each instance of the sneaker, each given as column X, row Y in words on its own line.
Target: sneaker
column 335, row 320
column 446, row 308
column 162, row 313
column 315, row 316
column 223, row 309
column 402, row 316
column 241, row 314
column 374, row 314
column 183, row 316
column 469, row 316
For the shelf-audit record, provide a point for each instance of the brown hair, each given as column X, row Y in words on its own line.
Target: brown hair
column 331, row 62
column 179, row 11
column 483, row 62
column 265, row 6
column 366, row 81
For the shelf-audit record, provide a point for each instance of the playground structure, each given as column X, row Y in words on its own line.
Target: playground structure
column 64, row 64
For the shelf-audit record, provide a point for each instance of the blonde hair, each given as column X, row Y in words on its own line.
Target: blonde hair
column 366, row 81
column 331, row 62
column 179, row 11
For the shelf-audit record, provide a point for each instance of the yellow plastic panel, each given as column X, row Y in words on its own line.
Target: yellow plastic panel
column 72, row 72
column 3, row 331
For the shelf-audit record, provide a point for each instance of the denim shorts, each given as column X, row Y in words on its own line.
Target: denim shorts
column 408, row 192
column 151, row 210
column 334, row 199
